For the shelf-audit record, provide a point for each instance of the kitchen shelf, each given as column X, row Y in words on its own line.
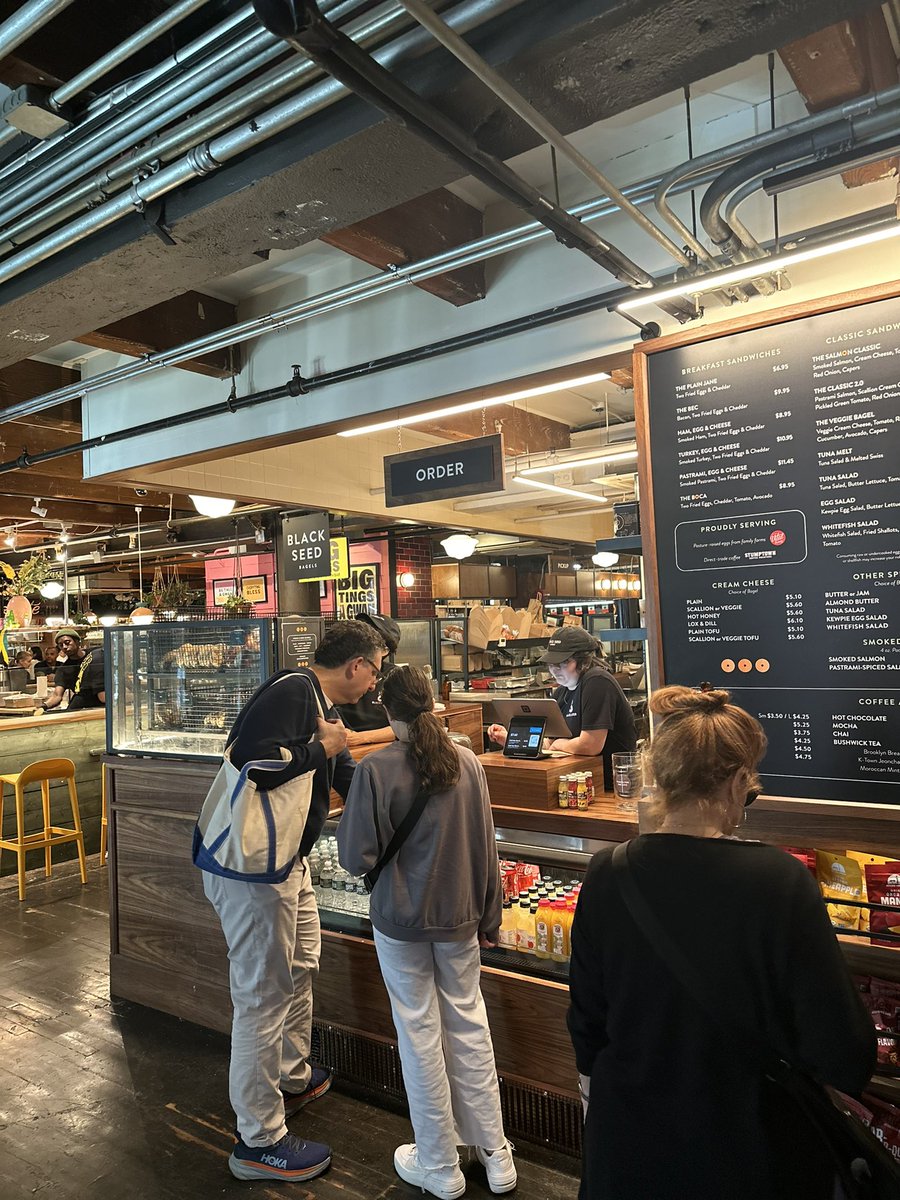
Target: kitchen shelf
column 620, row 545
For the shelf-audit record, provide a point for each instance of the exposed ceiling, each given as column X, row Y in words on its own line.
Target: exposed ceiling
column 256, row 222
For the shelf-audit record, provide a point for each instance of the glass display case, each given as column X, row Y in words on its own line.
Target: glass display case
column 174, row 688
column 541, row 874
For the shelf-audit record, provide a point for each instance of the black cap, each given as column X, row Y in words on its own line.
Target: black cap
column 568, row 641
column 386, row 626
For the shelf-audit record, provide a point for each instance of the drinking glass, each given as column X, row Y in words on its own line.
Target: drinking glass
column 628, row 778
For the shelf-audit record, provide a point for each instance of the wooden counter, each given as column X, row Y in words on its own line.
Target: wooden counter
column 69, row 735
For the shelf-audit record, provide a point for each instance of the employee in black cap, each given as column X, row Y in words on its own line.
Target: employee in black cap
column 366, row 720
column 593, row 704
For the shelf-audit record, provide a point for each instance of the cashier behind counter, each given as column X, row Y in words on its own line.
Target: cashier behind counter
column 78, row 671
column 594, row 706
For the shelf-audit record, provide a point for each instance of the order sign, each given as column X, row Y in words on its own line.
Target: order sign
column 439, row 472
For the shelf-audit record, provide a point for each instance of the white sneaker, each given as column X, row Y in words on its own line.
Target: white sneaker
column 501, row 1170
column 446, row 1182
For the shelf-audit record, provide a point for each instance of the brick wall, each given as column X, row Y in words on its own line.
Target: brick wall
column 414, row 554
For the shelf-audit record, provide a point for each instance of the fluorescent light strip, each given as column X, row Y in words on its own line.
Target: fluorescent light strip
column 555, row 468
column 564, row 491
column 474, row 405
column 759, row 267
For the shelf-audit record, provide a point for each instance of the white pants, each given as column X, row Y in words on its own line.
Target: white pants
column 445, row 1046
column 274, row 944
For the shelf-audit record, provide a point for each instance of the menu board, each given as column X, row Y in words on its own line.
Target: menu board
column 776, row 482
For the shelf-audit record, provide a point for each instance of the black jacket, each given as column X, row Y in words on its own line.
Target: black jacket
column 676, row 1111
column 283, row 712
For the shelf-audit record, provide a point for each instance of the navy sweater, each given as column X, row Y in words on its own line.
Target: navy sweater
column 283, row 712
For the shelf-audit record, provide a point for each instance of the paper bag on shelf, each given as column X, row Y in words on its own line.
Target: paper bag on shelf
column 524, row 622
column 485, row 625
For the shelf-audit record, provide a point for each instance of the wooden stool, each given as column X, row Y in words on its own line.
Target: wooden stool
column 52, row 835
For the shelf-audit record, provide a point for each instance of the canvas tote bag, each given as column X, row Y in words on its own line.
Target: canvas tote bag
column 247, row 831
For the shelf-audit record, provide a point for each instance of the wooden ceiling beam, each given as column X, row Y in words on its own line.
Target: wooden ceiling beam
column 164, row 326
column 24, row 380
column 849, row 59
column 18, row 508
column 523, row 432
column 36, row 481
column 420, row 228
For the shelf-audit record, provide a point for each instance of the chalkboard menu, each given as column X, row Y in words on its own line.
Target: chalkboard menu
column 775, row 466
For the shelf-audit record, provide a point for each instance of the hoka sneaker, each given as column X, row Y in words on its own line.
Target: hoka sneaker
column 290, row 1159
column 501, row 1170
column 444, row 1182
column 319, row 1083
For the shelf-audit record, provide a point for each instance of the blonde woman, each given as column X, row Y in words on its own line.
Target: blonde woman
column 436, row 902
column 675, row 1109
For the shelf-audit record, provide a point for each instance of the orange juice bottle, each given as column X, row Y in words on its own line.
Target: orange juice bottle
column 508, row 927
column 558, row 932
column 542, row 936
column 524, row 928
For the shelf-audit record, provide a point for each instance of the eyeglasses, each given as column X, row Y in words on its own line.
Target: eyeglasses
column 379, row 674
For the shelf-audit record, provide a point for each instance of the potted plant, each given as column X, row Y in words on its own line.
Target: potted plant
column 168, row 595
column 18, row 584
column 236, row 605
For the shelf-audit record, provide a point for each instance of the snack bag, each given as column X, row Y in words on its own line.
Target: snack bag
column 885, row 1123
column 807, row 857
column 883, row 887
column 840, row 878
column 864, row 860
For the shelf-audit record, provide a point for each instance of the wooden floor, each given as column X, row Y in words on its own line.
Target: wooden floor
column 107, row 1099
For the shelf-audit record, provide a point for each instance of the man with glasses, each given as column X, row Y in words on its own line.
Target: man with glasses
column 272, row 929
column 366, row 720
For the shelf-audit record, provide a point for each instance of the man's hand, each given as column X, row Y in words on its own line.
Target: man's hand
column 333, row 736
column 484, row 943
column 497, row 733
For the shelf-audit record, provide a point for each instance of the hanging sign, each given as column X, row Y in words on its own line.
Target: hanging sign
column 305, row 547
column 439, row 472
column 339, row 559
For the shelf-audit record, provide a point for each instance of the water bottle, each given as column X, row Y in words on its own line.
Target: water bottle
column 337, row 890
column 326, row 876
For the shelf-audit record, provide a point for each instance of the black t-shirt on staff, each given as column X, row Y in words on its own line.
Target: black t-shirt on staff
column 599, row 703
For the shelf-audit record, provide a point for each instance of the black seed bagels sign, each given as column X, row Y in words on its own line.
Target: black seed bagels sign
column 305, row 547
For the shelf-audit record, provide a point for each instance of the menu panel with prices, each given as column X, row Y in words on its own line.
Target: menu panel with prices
column 776, row 482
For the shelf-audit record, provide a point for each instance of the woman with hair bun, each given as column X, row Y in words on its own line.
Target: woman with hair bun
column 675, row 1109
column 435, row 903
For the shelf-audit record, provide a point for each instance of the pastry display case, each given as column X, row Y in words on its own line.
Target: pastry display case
column 174, row 688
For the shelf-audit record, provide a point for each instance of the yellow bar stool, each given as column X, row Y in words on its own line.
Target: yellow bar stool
column 42, row 772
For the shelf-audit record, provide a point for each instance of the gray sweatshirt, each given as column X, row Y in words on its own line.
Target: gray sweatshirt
column 444, row 884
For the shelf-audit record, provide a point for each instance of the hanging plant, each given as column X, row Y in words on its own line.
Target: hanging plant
column 236, row 605
column 171, row 593
column 34, row 571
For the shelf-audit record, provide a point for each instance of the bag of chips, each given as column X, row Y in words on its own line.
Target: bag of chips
column 840, row 878
column 865, row 860
column 883, row 887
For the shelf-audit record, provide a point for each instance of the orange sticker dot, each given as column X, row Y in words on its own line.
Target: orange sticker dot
column 727, row 665
column 745, row 665
column 762, row 664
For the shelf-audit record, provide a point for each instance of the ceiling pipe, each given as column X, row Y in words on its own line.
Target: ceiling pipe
column 209, row 156
column 131, row 90
column 676, row 179
column 513, row 99
column 815, row 144
column 26, row 21
column 121, row 53
column 276, row 84
column 303, row 26
column 372, row 286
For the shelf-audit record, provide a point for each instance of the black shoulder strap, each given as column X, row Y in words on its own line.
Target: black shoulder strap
column 401, row 833
column 683, row 970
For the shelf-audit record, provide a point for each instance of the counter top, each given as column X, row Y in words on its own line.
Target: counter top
column 34, row 722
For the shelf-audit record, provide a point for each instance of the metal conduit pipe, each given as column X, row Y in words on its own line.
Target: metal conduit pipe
column 121, row 53
column 209, row 156
column 271, row 87
column 133, row 89
column 303, row 26
column 476, row 251
column 537, row 121
column 297, row 386
column 686, row 171
column 28, row 20
column 196, row 84
column 814, row 144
